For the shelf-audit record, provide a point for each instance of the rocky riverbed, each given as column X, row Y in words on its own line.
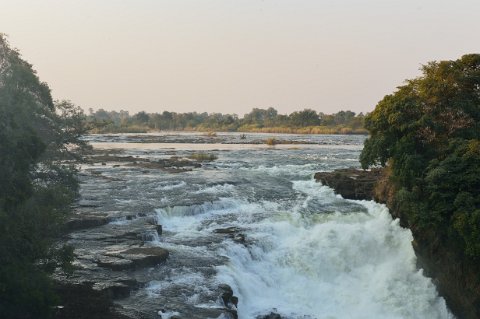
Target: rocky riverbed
column 239, row 231
column 115, row 250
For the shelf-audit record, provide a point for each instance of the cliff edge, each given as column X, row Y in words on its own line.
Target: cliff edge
column 455, row 277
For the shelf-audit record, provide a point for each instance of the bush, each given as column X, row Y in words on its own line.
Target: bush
column 271, row 141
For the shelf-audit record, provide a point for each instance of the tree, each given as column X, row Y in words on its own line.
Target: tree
column 428, row 132
column 38, row 141
column 261, row 117
column 141, row 118
column 307, row 117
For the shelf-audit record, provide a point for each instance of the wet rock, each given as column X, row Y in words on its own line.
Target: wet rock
column 144, row 256
column 173, row 164
column 117, row 290
column 110, row 158
column 229, row 300
column 115, row 263
column 233, row 233
column 239, row 238
column 351, row 183
column 159, row 229
column 271, row 315
column 228, row 230
column 79, row 300
column 132, row 258
column 87, row 203
column 82, row 222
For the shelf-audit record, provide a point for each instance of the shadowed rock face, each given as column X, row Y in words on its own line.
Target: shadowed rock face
column 351, row 183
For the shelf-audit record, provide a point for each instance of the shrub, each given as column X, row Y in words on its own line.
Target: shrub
column 271, row 141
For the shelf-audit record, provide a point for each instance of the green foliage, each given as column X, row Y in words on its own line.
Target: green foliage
column 39, row 139
column 428, row 131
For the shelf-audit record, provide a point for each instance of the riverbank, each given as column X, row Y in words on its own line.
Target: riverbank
column 456, row 280
column 322, row 130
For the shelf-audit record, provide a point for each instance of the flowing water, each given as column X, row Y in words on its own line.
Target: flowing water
column 256, row 220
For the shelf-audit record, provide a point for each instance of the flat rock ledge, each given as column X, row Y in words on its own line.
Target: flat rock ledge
column 351, row 183
column 133, row 258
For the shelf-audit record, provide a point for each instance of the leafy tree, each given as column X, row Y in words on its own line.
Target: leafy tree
column 261, row 117
column 307, row 117
column 38, row 142
column 428, row 132
column 141, row 118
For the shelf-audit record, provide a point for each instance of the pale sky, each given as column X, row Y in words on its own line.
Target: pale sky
column 232, row 55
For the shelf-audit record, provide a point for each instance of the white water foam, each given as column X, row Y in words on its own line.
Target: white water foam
column 175, row 185
column 358, row 265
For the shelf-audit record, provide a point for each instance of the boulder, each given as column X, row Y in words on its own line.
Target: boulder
column 229, row 300
column 271, row 315
column 233, row 233
column 351, row 183
column 79, row 300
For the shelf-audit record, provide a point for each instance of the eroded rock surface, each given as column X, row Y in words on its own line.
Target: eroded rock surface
column 119, row 254
column 351, row 183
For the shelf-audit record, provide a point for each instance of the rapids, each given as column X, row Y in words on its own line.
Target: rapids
column 291, row 246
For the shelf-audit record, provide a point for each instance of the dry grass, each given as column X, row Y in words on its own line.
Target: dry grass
column 211, row 134
column 271, row 141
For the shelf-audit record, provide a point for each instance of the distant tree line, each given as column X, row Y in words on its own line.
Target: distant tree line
column 258, row 120
column 39, row 142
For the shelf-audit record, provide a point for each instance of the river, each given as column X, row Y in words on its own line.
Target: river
column 255, row 219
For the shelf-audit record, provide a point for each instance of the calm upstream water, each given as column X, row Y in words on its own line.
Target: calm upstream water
column 292, row 246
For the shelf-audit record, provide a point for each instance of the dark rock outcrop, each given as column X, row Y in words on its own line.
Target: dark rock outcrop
column 111, row 263
column 456, row 278
column 145, row 256
column 83, row 222
column 229, row 300
column 351, row 183
column 271, row 315
column 82, row 299
column 233, row 233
